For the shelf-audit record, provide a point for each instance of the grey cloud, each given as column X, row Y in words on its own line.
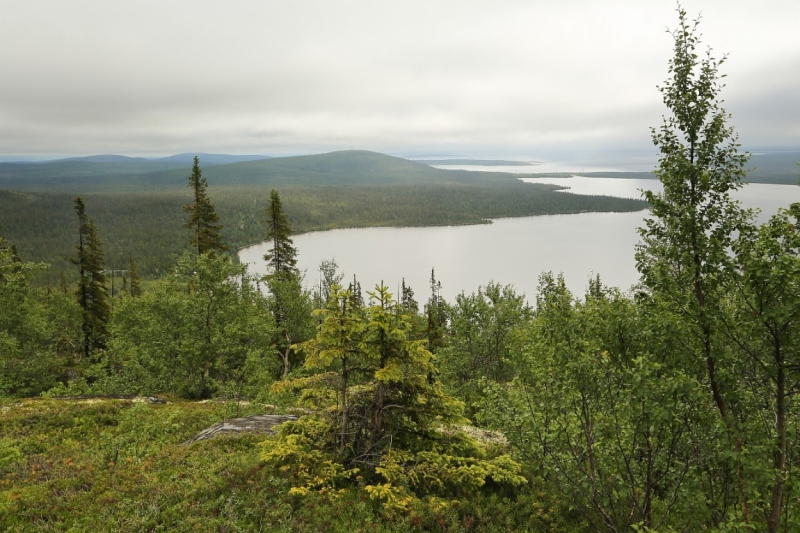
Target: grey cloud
column 96, row 76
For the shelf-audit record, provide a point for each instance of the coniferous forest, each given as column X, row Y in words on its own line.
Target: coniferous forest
column 669, row 407
column 146, row 221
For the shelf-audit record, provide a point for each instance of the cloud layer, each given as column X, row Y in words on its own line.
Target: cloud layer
column 516, row 77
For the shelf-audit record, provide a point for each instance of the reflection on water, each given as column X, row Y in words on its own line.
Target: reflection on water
column 578, row 162
column 623, row 188
column 765, row 197
column 511, row 250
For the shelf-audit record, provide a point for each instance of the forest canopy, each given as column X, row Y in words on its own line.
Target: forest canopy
column 339, row 190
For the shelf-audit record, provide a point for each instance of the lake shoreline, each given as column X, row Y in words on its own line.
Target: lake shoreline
column 507, row 250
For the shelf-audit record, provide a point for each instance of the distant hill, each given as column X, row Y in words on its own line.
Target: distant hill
column 107, row 158
column 210, row 159
column 101, row 172
column 114, row 173
column 350, row 167
column 477, row 162
column 70, row 174
column 141, row 214
column 178, row 159
column 775, row 167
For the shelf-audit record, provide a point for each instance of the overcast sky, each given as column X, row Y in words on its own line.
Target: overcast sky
column 520, row 78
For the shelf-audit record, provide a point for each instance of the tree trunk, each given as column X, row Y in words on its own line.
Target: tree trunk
column 345, row 420
column 380, row 399
column 285, row 355
column 780, row 452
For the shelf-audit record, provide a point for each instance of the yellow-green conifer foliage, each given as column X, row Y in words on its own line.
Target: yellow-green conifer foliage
column 381, row 418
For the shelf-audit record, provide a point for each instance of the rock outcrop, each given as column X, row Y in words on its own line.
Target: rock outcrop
column 257, row 424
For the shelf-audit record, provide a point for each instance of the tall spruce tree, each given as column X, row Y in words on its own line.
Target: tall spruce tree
column 92, row 292
column 435, row 311
column 282, row 257
column 410, row 305
column 203, row 219
column 135, row 287
column 354, row 288
column 290, row 304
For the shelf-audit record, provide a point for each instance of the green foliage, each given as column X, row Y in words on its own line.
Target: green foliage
column 116, row 465
column 146, row 226
column 135, row 289
column 430, row 473
column 146, row 222
column 480, row 341
column 282, row 257
column 732, row 307
column 761, row 323
column 436, row 316
column 203, row 219
column 381, row 415
column 384, row 381
column 599, row 407
column 10, row 455
column 195, row 341
column 297, row 456
column 329, row 276
column 91, row 292
column 291, row 306
column 671, row 410
column 39, row 334
column 289, row 302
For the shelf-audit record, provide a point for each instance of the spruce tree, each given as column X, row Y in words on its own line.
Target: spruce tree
column 355, row 293
column 92, row 293
column 407, row 300
column 135, row 287
column 282, row 257
column 435, row 311
column 63, row 287
column 289, row 302
column 203, row 219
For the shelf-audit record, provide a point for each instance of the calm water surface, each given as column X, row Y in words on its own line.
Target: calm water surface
column 509, row 251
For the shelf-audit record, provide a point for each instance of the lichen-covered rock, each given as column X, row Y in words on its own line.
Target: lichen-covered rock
column 258, row 424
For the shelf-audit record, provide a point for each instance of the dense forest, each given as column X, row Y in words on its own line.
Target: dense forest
column 671, row 407
column 337, row 190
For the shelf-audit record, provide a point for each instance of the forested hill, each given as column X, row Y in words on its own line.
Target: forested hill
column 103, row 172
column 351, row 167
column 110, row 173
column 778, row 167
column 141, row 215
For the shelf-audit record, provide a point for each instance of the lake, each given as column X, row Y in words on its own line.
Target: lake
column 509, row 251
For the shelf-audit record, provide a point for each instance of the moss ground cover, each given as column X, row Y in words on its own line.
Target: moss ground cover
column 117, row 465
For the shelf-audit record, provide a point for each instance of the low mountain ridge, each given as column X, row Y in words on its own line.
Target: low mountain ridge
column 349, row 167
column 209, row 159
column 114, row 173
column 105, row 158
